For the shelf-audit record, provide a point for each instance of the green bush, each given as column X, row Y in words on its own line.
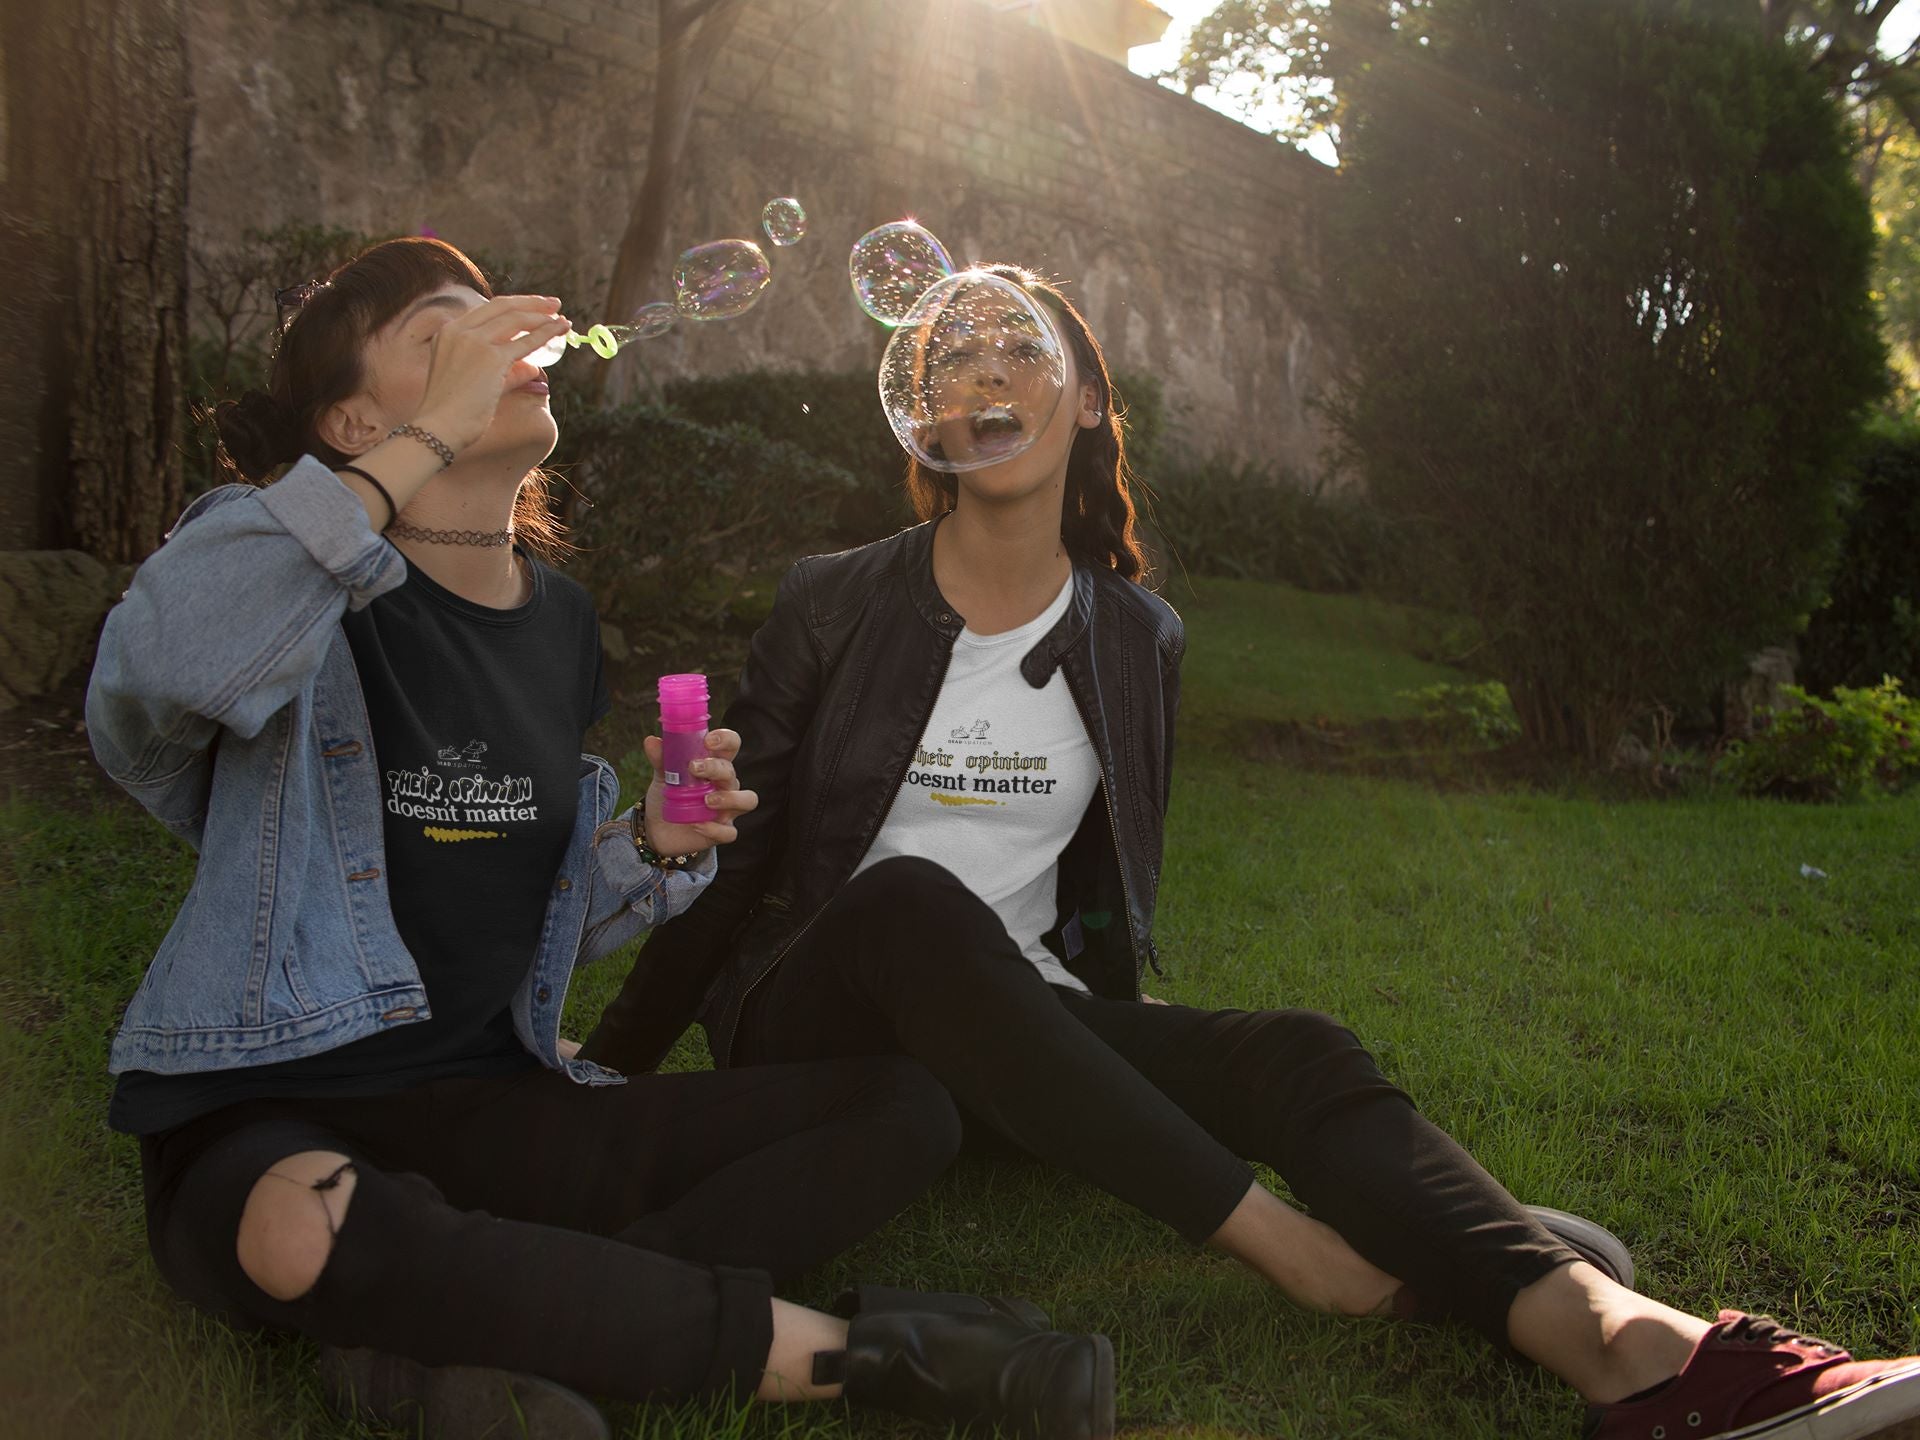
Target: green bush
column 1609, row 363
column 1225, row 517
column 833, row 416
column 679, row 514
column 1142, row 404
column 1870, row 624
column 1862, row 742
column 1479, row 715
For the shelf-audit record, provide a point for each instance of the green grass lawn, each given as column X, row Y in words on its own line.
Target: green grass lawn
column 1635, row 1009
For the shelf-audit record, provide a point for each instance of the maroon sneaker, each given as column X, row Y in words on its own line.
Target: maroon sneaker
column 1750, row 1377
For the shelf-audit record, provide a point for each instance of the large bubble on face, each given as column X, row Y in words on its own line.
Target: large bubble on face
column 720, row 280
column 893, row 266
column 973, row 374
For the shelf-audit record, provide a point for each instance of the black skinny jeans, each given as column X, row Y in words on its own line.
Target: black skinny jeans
column 1152, row 1103
column 618, row 1239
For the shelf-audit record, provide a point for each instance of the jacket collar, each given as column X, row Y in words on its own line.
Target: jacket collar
column 1038, row 664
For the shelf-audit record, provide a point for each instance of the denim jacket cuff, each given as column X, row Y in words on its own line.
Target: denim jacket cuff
column 330, row 522
column 680, row 888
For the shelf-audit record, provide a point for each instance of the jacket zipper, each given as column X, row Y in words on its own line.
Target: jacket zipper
column 1113, row 829
column 893, row 799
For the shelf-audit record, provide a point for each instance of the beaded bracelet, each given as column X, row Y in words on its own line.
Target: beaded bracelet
column 427, row 438
column 650, row 856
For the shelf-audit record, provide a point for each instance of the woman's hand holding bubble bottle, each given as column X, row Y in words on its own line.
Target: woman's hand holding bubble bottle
column 695, row 796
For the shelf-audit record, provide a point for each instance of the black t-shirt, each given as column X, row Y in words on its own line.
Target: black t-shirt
column 477, row 720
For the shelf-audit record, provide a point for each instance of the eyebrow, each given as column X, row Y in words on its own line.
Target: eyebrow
column 430, row 301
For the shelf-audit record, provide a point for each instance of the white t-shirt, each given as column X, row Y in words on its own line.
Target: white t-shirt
column 999, row 784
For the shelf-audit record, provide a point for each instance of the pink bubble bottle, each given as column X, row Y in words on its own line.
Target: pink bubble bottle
column 683, row 740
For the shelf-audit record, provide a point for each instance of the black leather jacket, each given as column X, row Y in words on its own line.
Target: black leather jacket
column 835, row 698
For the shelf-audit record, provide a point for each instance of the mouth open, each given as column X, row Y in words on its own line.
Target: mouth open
column 995, row 422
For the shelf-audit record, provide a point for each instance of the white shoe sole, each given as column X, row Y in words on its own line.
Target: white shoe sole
column 1886, row 1407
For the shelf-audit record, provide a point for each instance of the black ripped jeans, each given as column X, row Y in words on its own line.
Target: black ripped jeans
column 1156, row 1104
column 620, row 1239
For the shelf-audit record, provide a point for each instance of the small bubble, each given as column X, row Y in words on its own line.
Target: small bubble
column 784, row 220
column 653, row 320
column 893, row 265
column 720, row 279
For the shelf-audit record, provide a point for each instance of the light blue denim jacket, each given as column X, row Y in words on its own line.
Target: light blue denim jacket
column 225, row 700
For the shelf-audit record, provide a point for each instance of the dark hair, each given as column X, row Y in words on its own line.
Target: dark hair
column 320, row 361
column 1097, row 515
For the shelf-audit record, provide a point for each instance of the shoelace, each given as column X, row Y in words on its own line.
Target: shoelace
column 1765, row 1330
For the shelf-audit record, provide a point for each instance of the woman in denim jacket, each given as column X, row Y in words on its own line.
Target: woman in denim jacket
column 360, row 695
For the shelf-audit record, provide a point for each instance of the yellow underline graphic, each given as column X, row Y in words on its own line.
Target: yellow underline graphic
column 963, row 799
column 435, row 832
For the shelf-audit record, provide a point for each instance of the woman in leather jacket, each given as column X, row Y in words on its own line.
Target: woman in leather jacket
column 962, row 739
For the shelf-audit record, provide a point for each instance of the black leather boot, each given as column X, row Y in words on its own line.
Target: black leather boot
column 965, row 1370
column 885, row 1299
column 454, row 1402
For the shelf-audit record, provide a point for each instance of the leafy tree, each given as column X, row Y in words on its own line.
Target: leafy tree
column 1842, row 40
column 1299, row 58
column 1606, row 276
column 1295, row 58
column 1891, row 171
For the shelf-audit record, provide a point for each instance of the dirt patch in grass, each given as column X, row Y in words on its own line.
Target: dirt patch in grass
column 1416, row 751
column 43, row 747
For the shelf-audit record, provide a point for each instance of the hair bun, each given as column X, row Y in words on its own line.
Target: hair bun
column 257, row 434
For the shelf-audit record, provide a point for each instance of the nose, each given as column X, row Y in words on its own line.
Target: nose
column 990, row 374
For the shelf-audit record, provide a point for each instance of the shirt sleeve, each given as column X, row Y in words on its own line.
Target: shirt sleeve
column 601, row 702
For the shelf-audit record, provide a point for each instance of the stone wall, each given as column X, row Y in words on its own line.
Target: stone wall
column 517, row 130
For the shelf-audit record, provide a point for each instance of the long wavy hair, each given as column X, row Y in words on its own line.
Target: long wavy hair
column 321, row 360
column 1097, row 518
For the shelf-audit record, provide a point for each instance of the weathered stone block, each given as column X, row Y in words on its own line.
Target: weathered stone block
column 51, row 605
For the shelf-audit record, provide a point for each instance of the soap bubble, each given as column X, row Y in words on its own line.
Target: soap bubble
column 973, row 374
column 653, row 320
column 893, row 265
column 784, row 220
column 720, row 279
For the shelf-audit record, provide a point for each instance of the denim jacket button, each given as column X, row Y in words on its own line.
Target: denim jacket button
column 564, row 885
column 543, row 994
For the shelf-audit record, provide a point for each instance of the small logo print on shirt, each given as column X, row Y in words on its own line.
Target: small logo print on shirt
column 469, row 756
column 974, row 734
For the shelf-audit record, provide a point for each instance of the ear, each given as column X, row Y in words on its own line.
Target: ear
column 349, row 427
column 1090, row 414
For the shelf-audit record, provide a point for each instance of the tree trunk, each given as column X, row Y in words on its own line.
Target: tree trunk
column 129, row 120
column 690, row 36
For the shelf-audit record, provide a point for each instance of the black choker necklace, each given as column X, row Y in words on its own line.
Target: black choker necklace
column 489, row 538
